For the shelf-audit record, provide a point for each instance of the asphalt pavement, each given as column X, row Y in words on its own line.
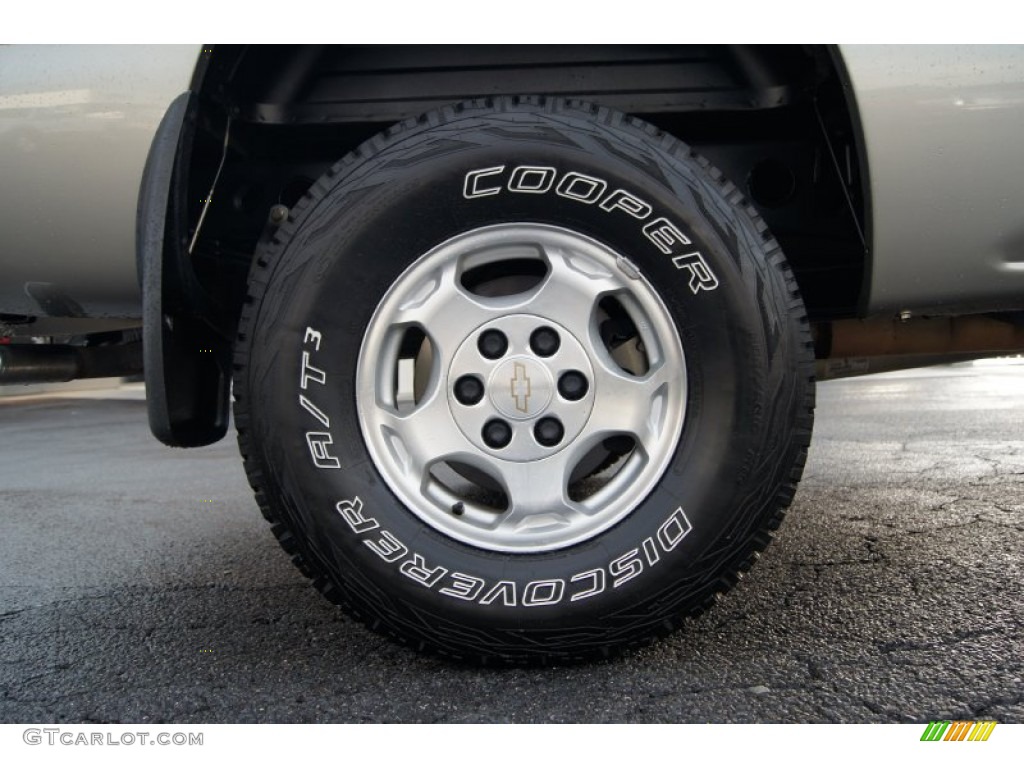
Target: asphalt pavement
column 138, row 583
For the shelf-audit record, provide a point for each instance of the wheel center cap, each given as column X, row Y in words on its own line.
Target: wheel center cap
column 520, row 387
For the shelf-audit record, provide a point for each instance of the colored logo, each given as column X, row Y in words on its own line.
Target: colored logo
column 958, row 730
column 521, row 388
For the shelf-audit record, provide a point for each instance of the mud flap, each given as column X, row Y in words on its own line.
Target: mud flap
column 187, row 365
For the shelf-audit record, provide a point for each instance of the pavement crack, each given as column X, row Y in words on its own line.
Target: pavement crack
column 952, row 639
column 977, row 518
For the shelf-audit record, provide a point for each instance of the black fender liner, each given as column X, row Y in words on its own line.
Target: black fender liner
column 187, row 364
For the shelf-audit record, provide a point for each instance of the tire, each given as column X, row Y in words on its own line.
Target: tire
column 396, row 372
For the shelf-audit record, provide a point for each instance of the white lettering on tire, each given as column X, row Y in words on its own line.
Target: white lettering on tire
column 664, row 234
column 474, row 187
column 570, row 185
column 673, row 530
column 701, row 276
column 626, row 567
column 352, row 512
column 531, row 179
column 505, row 592
column 464, row 587
column 417, row 570
column 319, row 450
column 318, row 442
column 544, row 592
column 596, row 577
column 387, row 547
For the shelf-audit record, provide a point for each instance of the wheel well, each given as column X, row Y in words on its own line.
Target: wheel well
column 773, row 118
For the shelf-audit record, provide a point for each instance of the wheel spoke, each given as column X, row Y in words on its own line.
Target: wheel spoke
column 418, row 439
column 443, row 308
column 632, row 405
column 537, row 494
column 572, row 288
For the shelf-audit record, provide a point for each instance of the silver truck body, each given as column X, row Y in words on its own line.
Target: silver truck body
column 941, row 130
column 76, row 124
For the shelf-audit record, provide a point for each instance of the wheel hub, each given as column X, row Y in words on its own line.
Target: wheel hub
column 520, row 387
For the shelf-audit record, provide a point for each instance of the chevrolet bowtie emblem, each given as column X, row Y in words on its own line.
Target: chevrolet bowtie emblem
column 521, row 388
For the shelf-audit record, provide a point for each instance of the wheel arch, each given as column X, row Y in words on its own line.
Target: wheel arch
column 265, row 121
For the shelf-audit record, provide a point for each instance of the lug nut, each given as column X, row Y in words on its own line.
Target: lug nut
column 492, row 344
column 544, row 341
column 497, row 434
column 572, row 385
column 469, row 390
column 548, row 431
